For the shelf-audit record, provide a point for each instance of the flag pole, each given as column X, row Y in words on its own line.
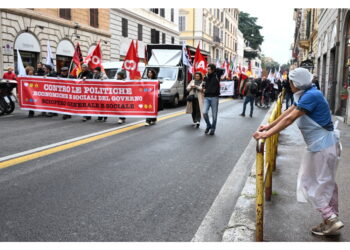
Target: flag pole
column 70, row 67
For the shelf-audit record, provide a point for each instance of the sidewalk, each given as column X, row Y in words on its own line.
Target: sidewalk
column 285, row 219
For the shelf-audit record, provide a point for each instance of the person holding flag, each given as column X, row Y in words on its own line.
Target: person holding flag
column 131, row 62
column 78, row 61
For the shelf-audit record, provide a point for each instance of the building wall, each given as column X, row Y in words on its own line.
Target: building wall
column 200, row 28
column 149, row 20
column 17, row 21
column 326, row 24
column 80, row 15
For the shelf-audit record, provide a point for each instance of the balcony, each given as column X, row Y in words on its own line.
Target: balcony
column 217, row 39
column 305, row 44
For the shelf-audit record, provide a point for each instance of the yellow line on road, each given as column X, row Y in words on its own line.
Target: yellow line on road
column 53, row 150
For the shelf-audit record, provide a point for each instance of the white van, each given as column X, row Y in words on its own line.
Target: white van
column 112, row 68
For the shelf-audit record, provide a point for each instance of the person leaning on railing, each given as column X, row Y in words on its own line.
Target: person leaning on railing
column 316, row 180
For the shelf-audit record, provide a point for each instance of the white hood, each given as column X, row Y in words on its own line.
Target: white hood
column 165, row 57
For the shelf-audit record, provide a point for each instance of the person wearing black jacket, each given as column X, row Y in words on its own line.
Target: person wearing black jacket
column 211, row 98
column 85, row 74
column 40, row 71
column 289, row 93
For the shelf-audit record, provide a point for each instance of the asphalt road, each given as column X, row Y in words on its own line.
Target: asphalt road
column 148, row 184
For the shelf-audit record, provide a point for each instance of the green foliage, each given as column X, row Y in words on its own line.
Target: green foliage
column 250, row 55
column 251, row 31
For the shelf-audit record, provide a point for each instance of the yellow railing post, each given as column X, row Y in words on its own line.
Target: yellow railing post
column 259, row 233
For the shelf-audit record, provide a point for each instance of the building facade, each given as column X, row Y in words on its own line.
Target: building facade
column 29, row 31
column 147, row 26
column 331, row 56
column 215, row 29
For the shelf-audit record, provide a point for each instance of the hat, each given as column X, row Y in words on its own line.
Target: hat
column 302, row 78
column 64, row 69
column 48, row 66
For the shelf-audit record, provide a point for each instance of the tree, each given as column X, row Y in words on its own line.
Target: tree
column 251, row 31
column 268, row 64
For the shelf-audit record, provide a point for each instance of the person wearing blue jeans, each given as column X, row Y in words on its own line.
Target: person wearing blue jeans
column 248, row 99
column 211, row 98
column 213, row 103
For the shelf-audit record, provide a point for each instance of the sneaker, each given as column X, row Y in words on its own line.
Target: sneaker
column 206, row 130
column 152, row 122
column 120, row 121
column 330, row 226
column 147, row 123
column 212, row 132
column 251, row 116
column 197, row 124
column 242, row 115
column 105, row 119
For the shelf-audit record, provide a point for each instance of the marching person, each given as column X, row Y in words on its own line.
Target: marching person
column 49, row 72
column 30, row 72
column 195, row 99
column 250, row 90
column 288, row 92
column 151, row 74
column 65, row 74
column 98, row 74
column 85, row 74
column 40, row 69
column 316, row 180
column 9, row 75
column 211, row 98
column 121, row 75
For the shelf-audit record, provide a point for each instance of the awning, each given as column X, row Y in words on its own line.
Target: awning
column 165, row 57
column 27, row 42
column 65, row 48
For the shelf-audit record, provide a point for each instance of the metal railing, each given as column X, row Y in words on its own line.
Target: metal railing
column 265, row 165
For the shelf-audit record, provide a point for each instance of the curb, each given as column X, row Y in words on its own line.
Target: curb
column 241, row 227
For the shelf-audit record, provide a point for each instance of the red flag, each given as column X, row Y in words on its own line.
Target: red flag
column 78, row 60
column 200, row 64
column 95, row 58
column 131, row 62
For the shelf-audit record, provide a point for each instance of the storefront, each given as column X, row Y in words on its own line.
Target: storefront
column 29, row 49
column 64, row 54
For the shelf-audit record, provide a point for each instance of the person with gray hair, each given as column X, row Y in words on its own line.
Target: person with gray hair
column 316, row 181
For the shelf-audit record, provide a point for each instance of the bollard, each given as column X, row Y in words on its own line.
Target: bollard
column 268, row 180
column 259, row 233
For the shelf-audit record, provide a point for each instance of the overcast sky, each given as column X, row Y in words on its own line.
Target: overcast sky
column 278, row 31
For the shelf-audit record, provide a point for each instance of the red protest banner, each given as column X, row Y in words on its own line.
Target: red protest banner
column 89, row 97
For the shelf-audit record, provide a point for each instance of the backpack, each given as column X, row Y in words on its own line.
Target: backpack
column 253, row 88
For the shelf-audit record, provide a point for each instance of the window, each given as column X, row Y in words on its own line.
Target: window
column 172, row 15
column 162, row 12
column 308, row 25
column 218, row 14
column 155, row 11
column 65, row 13
column 94, row 18
column 139, row 32
column 154, row 36
column 182, row 23
column 172, row 40
column 222, row 17
column 163, row 38
column 124, row 27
